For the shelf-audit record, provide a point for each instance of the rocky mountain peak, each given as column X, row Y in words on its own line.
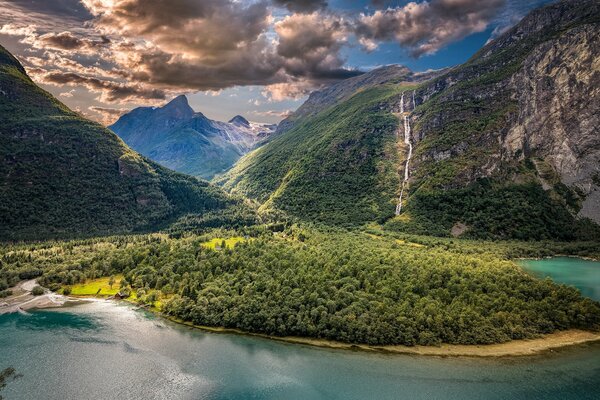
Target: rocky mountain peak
column 179, row 107
column 238, row 120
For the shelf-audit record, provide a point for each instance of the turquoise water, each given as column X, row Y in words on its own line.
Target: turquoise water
column 583, row 274
column 105, row 350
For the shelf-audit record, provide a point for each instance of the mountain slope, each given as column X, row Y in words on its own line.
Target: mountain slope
column 179, row 138
column 338, row 166
column 333, row 94
column 504, row 146
column 62, row 175
column 507, row 144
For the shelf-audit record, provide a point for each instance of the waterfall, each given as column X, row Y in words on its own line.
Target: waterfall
column 402, row 104
column 405, row 116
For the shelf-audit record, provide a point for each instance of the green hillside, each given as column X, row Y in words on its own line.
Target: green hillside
column 336, row 167
column 62, row 175
column 343, row 165
column 463, row 129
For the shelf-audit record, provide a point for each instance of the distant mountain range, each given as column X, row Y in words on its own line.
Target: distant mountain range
column 64, row 176
column 179, row 138
column 505, row 145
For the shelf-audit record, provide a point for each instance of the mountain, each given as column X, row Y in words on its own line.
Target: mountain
column 179, row 138
column 63, row 176
column 333, row 94
column 338, row 165
column 503, row 146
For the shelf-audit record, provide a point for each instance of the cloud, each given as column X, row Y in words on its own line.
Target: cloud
column 206, row 31
column 273, row 113
column 142, row 50
column 288, row 90
column 194, row 45
column 301, row 6
column 109, row 91
column 426, row 27
column 310, row 45
column 68, row 41
column 107, row 115
column 17, row 30
column 68, row 94
column 217, row 44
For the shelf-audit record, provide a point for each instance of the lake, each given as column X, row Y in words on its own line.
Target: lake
column 103, row 349
column 583, row 274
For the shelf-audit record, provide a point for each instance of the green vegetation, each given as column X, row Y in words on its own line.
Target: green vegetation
column 220, row 243
column 37, row 291
column 375, row 287
column 338, row 167
column 63, row 176
column 462, row 127
column 97, row 287
column 493, row 210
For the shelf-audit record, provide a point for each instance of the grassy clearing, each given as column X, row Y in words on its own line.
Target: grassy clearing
column 217, row 243
column 97, row 287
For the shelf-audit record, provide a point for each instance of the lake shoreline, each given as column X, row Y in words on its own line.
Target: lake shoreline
column 586, row 258
column 514, row 348
column 23, row 300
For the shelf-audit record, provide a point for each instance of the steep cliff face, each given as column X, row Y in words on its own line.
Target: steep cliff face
column 522, row 116
column 558, row 95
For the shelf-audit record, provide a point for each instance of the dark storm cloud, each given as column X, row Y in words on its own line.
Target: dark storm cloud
column 310, row 46
column 72, row 9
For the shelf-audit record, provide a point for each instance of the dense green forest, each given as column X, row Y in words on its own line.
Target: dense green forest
column 371, row 287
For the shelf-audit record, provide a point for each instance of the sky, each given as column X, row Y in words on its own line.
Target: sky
column 256, row 58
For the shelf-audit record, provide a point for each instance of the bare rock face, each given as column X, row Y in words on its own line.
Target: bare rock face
column 530, row 96
column 558, row 94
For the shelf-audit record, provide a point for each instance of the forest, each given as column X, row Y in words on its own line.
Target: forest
column 372, row 287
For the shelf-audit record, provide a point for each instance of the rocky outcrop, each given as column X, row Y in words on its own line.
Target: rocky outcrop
column 531, row 94
column 558, row 94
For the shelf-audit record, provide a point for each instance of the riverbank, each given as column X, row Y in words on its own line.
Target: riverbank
column 22, row 299
column 514, row 348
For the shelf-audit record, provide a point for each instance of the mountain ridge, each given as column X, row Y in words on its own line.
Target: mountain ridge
column 474, row 171
column 179, row 138
column 64, row 176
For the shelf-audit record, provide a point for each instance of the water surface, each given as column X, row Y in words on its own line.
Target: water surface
column 105, row 350
column 583, row 274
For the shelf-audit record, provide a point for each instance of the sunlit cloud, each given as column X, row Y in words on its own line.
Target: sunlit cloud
column 145, row 51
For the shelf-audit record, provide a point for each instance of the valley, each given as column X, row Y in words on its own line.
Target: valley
column 431, row 234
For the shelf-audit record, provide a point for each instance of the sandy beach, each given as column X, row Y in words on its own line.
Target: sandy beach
column 22, row 299
column 526, row 347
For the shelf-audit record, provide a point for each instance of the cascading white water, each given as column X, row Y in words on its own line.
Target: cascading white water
column 410, row 149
